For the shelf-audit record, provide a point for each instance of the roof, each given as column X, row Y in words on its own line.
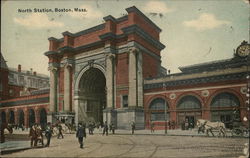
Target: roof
column 3, row 62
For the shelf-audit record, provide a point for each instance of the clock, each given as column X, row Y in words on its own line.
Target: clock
column 243, row 50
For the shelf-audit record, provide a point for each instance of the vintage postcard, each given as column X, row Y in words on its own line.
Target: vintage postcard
column 123, row 78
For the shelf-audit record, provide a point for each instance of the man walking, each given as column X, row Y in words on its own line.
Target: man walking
column 80, row 134
column 60, row 131
column 33, row 136
column 152, row 127
column 48, row 133
column 105, row 128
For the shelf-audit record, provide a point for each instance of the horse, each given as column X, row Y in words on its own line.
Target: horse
column 208, row 126
column 4, row 127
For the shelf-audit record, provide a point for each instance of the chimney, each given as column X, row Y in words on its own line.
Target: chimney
column 34, row 73
column 19, row 68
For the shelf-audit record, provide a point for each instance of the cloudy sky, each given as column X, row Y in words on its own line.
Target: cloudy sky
column 194, row 31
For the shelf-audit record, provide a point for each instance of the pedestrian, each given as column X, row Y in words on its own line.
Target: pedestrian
column 113, row 128
column 48, row 133
column 81, row 132
column 133, row 127
column 105, row 128
column 152, row 127
column 59, row 131
column 39, row 134
column 33, row 136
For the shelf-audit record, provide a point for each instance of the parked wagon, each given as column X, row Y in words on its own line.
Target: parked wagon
column 238, row 128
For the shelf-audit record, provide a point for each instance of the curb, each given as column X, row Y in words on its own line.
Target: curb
column 3, row 152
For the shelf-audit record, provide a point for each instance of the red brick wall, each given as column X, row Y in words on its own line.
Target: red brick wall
column 150, row 66
column 4, row 80
column 122, row 69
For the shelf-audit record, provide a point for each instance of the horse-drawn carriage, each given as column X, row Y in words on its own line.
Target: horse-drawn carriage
column 238, row 128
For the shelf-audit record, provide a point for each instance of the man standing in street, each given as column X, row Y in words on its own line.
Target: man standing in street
column 48, row 133
column 133, row 127
column 80, row 134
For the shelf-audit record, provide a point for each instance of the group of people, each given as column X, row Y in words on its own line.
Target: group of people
column 36, row 134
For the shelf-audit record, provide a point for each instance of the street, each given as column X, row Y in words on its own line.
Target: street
column 126, row 145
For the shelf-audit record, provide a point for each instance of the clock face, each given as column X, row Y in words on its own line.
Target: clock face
column 243, row 50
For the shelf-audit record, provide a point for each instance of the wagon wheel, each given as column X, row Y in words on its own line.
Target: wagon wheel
column 246, row 133
column 236, row 132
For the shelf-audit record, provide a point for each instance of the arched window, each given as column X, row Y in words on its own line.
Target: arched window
column 3, row 117
column 188, row 102
column 11, row 117
column 225, row 100
column 43, row 118
column 32, row 118
column 157, row 110
column 21, row 118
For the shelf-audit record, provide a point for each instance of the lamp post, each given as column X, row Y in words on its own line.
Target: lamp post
column 165, row 109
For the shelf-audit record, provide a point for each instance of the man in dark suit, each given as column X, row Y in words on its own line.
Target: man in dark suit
column 48, row 133
column 105, row 128
column 81, row 132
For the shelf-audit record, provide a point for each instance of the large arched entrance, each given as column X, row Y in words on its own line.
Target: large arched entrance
column 21, row 118
column 11, row 117
column 32, row 117
column 43, row 118
column 224, row 107
column 188, row 110
column 3, row 117
column 92, row 96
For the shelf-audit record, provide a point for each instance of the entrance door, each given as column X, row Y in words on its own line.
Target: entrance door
column 191, row 122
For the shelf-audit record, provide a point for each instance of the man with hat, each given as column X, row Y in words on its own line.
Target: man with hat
column 81, row 132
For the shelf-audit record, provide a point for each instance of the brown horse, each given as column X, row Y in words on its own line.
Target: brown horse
column 3, row 127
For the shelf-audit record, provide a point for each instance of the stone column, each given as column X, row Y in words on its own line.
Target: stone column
column 76, row 107
column 139, row 80
column 26, row 118
column 67, row 90
column 110, row 80
column 16, row 116
column 132, row 94
column 53, row 89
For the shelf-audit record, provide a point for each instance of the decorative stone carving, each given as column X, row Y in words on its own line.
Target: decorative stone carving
column 172, row 96
column 243, row 90
column 205, row 93
column 133, row 50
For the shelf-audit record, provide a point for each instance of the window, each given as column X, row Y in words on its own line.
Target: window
column 21, row 80
column 225, row 100
column 125, row 101
column 157, row 110
column 189, row 102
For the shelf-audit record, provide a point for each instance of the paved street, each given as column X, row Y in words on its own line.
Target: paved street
column 125, row 145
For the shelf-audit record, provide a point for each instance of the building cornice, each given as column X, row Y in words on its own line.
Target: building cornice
column 136, row 29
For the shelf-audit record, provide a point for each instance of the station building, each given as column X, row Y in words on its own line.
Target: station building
column 112, row 72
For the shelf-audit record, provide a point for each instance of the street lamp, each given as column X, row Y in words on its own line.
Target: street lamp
column 165, row 109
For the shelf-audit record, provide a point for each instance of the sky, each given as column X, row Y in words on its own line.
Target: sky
column 193, row 31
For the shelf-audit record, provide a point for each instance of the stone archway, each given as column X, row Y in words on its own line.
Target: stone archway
column 188, row 110
column 91, row 96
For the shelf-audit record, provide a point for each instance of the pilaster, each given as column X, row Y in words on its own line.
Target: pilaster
column 132, row 96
